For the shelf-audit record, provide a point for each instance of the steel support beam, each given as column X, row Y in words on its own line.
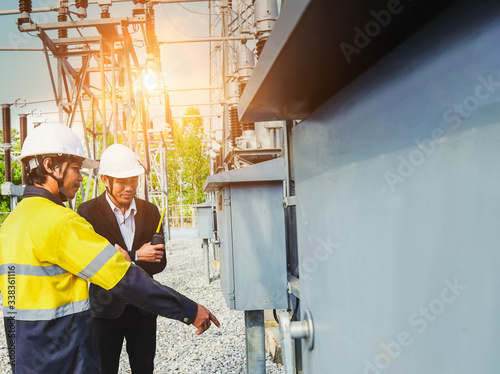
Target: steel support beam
column 255, row 341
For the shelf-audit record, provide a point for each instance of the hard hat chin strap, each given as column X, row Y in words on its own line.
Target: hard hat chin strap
column 63, row 194
column 110, row 189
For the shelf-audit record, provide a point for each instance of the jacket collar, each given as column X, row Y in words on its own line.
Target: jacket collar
column 110, row 219
column 35, row 191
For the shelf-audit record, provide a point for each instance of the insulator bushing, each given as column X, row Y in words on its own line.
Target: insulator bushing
column 105, row 12
column 6, row 123
column 235, row 125
column 62, row 33
column 7, row 139
column 245, row 63
column 260, row 45
column 25, row 10
column 219, row 159
column 248, row 126
column 23, row 128
column 242, row 87
column 265, row 14
column 139, row 8
column 25, row 6
column 151, row 44
column 23, row 131
column 81, row 6
column 62, row 17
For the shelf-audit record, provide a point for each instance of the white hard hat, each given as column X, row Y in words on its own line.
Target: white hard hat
column 53, row 139
column 119, row 161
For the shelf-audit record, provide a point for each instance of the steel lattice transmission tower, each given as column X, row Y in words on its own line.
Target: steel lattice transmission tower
column 102, row 81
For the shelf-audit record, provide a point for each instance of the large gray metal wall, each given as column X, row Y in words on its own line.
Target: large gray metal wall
column 398, row 207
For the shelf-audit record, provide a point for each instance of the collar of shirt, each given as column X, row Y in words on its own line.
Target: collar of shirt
column 35, row 191
column 126, row 222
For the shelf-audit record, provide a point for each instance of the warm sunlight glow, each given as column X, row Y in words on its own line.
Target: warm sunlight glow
column 150, row 81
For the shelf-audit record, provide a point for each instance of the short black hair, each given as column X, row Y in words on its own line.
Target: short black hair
column 38, row 175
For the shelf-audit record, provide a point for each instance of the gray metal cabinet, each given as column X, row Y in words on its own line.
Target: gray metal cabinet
column 204, row 218
column 251, row 228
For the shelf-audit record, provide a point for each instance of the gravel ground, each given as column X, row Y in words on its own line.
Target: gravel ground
column 179, row 349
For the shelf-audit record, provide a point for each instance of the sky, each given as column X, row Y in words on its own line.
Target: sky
column 25, row 75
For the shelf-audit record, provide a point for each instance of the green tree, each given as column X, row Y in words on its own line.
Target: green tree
column 187, row 163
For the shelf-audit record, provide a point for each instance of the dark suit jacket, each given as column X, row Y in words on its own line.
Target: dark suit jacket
column 99, row 214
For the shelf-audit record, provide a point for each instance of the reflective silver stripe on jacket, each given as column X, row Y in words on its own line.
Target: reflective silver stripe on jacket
column 46, row 314
column 32, row 270
column 98, row 262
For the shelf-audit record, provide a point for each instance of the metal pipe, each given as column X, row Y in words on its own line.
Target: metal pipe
column 145, row 125
column 194, row 89
column 23, row 128
column 114, row 101
column 60, row 103
column 19, row 103
column 55, row 9
column 103, row 96
column 52, row 9
column 208, row 39
column 20, row 49
column 6, row 141
column 225, row 72
column 206, row 260
column 211, row 74
column 37, row 10
column 163, row 158
column 255, row 341
column 194, row 104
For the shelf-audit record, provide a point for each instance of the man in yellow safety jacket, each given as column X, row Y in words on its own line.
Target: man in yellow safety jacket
column 47, row 255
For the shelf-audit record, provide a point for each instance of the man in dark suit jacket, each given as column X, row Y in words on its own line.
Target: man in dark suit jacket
column 129, row 223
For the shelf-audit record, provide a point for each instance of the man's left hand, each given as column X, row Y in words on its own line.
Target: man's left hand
column 150, row 253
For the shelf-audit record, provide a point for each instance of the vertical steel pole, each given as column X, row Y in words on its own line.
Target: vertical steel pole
column 206, row 260
column 103, row 97
column 6, row 141
column 165, row 189
column 60, row 103
column 255, row 341
column 114, row 103
column 225, row 71
column 7, row 145
column 211, row 94
column 182, row 200
column 23, row 128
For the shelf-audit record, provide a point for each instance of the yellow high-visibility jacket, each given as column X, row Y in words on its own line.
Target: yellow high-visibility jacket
column 47, row 255
column 43, row 273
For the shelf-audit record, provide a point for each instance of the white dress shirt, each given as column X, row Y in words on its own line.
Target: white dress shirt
column 126, row 222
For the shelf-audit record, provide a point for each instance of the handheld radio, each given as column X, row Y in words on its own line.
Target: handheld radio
column 158, row 237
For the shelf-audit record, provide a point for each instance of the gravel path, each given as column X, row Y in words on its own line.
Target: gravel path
column 179, row 349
